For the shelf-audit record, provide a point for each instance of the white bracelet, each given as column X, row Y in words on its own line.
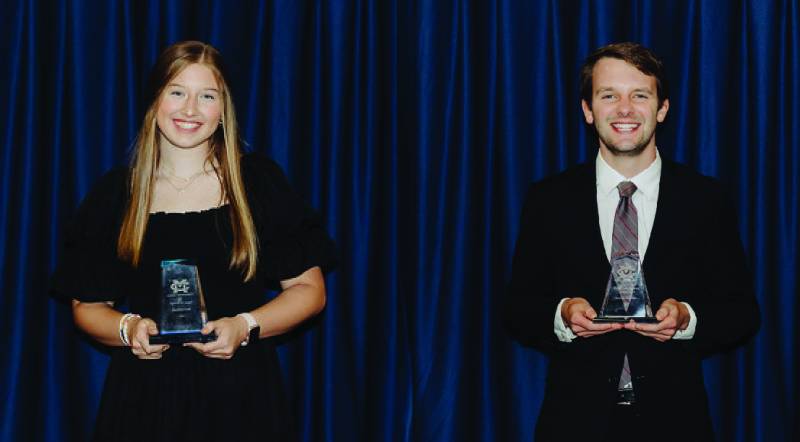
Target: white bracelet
column 251, row 324
column 123, row 328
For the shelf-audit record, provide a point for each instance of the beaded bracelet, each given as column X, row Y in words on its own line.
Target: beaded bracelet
column 251, row 324
column 123, row 328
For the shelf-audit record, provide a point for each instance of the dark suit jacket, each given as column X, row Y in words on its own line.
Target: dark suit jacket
column 694, row 255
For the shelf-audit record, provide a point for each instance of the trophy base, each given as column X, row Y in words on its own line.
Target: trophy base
column 182, row 338
column 608, row 319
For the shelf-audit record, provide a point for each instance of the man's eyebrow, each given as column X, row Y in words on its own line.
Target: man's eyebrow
column 611, row 89
column 604, row 89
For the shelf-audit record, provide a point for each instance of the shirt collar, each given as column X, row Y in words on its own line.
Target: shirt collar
column 646, row 181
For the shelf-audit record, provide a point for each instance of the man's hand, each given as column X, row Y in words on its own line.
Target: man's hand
column 672, row 316
column 577, row 314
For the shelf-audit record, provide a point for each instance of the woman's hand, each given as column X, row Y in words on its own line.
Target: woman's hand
column 140, row 330
column 230, row 334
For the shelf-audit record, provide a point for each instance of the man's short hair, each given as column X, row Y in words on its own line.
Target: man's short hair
column 632, row 53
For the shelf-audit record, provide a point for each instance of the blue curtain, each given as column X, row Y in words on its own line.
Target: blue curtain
column 414, row 127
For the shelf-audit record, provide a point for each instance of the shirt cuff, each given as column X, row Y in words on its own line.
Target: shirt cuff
column 689, row 332
column 564, row 333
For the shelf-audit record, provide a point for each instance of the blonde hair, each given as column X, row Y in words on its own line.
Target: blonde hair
column 224, row 156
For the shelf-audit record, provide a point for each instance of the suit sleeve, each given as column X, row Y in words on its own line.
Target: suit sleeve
column 728, row 314
column 531, row 299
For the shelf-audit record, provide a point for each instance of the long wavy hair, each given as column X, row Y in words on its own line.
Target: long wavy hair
column 224, row 157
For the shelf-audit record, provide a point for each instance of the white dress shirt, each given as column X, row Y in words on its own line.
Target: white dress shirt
column 645, row 198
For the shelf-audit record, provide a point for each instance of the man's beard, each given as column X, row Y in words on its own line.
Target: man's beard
column 619, row 152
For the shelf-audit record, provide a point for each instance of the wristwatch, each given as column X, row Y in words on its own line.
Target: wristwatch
column 251, row 326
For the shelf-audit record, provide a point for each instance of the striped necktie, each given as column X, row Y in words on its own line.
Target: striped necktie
column 625, row 241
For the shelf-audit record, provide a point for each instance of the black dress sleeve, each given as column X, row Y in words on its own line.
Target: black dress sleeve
column 88, row 269
column 291, row 236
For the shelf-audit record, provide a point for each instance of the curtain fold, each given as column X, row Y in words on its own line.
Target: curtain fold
column 415, row 128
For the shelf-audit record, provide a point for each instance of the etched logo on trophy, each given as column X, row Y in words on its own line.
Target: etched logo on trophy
column 626, row 295
column 180, row 286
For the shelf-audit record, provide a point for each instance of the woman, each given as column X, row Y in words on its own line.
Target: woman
column 191, row 194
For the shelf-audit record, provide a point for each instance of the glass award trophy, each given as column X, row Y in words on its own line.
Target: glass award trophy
column 626, row 293
column 183, row 309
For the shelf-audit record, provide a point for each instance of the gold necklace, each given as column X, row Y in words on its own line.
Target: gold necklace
column 189, row 181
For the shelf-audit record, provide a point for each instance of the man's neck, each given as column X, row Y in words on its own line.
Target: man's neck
column 182, row 162
column 629, row 166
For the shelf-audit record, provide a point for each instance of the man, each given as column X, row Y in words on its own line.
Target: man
column 614, row 381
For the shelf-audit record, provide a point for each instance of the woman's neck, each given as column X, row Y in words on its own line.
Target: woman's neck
column 182, row 162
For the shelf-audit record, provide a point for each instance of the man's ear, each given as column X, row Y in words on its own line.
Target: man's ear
column 662, row 113
column 587, row 112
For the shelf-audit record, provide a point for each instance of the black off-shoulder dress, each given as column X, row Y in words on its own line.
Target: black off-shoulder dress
column 185, row 396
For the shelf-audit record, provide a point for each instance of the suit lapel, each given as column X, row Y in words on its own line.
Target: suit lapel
column 666, row 206
column 588, row 231
column 664, row 227
column 596, row 246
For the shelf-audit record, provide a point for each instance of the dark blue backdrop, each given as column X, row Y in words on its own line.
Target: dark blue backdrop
column 414, row 127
